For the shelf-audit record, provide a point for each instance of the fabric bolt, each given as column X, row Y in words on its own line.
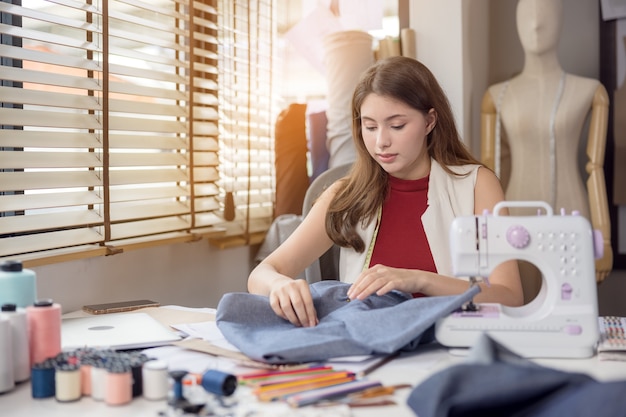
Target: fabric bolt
column 292, row 178
column 376, row 325
column 347, row 54
column 316, row 142
column 494, row 381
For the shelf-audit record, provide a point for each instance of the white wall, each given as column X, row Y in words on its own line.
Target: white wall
column 191, row 274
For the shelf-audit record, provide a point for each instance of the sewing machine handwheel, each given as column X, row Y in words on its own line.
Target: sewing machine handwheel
column 518, row 236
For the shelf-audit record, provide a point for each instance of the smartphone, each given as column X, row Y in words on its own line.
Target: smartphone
column 119, row 306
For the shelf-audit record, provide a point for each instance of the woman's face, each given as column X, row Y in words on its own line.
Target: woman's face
column 395, row 136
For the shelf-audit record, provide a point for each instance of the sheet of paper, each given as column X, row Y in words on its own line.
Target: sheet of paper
column 179, row 358
column 207, row 331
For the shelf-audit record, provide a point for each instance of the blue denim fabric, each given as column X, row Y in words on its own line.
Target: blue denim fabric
column 376, row 325
column 499, row 383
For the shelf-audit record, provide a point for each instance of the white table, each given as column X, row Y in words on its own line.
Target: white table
column 409, row 368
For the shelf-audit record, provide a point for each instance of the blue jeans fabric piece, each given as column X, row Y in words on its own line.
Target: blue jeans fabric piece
column 499, row 383
column 376, row 325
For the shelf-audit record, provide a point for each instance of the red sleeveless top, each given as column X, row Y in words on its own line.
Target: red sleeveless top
column 401, row 241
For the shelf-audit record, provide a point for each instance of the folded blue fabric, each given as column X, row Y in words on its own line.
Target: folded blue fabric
column 376, row 325
column 497, row 382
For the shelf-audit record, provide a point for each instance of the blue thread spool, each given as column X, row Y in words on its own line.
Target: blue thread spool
column 178, row 397
column 17, row 285
column 42, row 377
column 219, row 383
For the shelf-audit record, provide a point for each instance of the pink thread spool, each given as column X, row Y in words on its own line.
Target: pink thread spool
column 44, row 330
column 119, row 385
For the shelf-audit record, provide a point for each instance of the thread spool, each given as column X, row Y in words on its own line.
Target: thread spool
column 85, row 357
column 19, row 336
column 44, row 330
column 42, row 379
column 155, row 380
column 67, row 380
column 177, row 395
column 119, row 384
column 98, row 380
column 85, row 376
column 219, row 383
column 136, row 370
column 17, row 285
column 7, row 379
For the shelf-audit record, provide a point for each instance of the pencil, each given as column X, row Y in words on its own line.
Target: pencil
column 385, row 360
column 252, row 379
column 304, row 381
column 285, row 392
column 286, row 380
column 329, row 393
column 294, row 370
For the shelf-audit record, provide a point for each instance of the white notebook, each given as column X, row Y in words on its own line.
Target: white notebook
column 115, row 331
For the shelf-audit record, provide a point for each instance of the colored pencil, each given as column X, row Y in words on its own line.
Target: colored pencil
column 282, row 393
column 271, row 383
column 329, row 393
column 304, row 381
column 264, row 373
column 255, row 379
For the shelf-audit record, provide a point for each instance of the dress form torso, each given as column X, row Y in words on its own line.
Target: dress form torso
column 532, row 112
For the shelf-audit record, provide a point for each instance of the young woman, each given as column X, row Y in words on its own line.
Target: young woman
column 392, row 213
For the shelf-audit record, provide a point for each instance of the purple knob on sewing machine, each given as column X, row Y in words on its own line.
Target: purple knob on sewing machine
column 518, row 236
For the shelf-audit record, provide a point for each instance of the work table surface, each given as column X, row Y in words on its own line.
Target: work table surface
column 410, row 368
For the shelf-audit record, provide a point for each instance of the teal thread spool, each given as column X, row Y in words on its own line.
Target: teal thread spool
column 17, row 285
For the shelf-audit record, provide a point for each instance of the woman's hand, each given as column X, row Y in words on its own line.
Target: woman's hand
column 291, row 299
column 381, row 279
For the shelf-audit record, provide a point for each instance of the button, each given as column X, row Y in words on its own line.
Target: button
column 566, row 291
column 573, row 329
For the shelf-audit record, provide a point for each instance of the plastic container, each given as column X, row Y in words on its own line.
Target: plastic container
column 17, row 285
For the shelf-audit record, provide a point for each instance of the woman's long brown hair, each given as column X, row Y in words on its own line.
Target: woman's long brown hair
column 364, row 190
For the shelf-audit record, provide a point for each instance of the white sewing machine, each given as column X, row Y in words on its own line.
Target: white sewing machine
column 562, row 321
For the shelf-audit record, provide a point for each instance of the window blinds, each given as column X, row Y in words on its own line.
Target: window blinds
column 120, row 125
column 246, row 113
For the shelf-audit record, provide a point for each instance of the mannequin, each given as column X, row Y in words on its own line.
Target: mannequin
column 541, row 113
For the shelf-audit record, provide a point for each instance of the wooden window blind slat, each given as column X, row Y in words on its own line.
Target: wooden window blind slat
column 26, row 138
column 150, row 151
